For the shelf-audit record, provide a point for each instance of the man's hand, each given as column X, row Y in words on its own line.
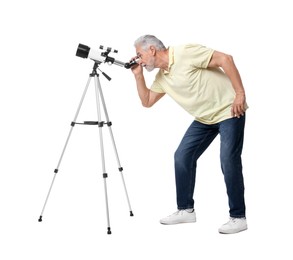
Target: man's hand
column 238, row 106
column 136, row 69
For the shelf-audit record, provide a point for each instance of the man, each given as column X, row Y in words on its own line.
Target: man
column 207, row 84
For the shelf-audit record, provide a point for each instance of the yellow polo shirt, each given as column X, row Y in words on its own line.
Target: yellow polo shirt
column 206, row 93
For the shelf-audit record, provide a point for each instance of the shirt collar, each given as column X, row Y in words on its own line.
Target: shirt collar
column 171, row 59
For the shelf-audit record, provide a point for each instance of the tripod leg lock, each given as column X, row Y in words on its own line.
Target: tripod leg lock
column 105, row 175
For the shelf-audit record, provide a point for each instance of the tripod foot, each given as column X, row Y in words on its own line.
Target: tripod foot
column 131, row 214
column 40, row 219
column 109, row 231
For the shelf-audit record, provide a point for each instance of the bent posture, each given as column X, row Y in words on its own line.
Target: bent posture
column 207, row 84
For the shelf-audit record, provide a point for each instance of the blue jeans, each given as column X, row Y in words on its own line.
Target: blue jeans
column 195, row 141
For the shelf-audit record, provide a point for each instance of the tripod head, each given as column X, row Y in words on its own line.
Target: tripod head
column 84, row 51
column 94, row 72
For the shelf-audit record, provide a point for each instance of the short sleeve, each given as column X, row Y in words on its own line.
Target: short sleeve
column 199, row 55
column 157, row 86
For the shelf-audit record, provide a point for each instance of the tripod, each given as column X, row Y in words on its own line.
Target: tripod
column 100, row 124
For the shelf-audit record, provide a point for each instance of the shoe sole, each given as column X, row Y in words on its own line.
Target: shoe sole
column 232, row 231
column 175, row 223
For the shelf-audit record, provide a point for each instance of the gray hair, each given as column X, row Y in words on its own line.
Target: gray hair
column 146, row 41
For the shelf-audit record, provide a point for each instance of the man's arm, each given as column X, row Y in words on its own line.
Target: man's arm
column 226, row 62
column 147, row 97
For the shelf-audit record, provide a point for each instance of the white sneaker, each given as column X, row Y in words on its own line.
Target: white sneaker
column 180, row 216
column 234, row 225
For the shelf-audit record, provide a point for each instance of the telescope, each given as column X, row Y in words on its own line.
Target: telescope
column 85, row 52
column 98, row 56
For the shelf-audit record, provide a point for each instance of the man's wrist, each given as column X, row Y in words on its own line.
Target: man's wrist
column 240, row 93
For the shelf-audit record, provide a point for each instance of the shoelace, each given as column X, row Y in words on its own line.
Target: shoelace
column 234, row 220
column 180, row 212
column 175, row 213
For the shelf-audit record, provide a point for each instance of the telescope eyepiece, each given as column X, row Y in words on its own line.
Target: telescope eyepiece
column 128, row 65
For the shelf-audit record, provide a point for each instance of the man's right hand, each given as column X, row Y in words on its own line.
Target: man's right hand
column 137, row 69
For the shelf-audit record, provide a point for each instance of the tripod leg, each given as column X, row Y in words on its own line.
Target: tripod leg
column 105, row 175
column 114, row 145
column 120, row 170
column 41, row 216
column 65, row 146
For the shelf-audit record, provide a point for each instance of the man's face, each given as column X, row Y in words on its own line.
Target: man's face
column 146, row 57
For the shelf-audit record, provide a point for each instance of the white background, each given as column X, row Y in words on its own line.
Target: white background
column 41, row 84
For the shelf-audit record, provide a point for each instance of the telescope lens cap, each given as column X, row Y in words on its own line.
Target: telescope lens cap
column 82, row 51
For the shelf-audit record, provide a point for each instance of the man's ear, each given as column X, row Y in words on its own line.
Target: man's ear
column 153, row 50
